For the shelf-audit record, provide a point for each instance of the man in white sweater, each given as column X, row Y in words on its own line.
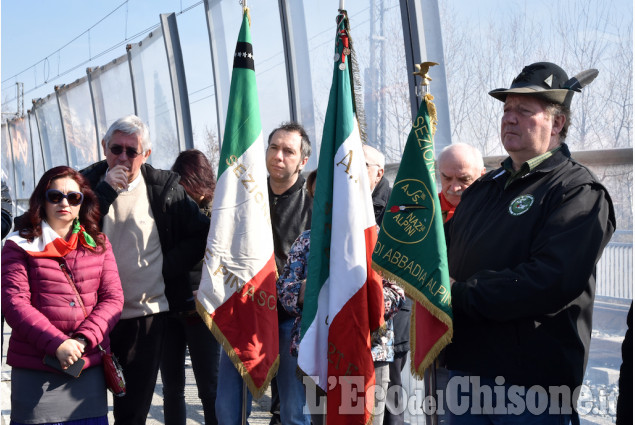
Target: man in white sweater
column 157, row 234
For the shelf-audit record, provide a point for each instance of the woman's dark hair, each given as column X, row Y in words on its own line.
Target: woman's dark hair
column 197, row 175
column 30, row 224
column 310, row 179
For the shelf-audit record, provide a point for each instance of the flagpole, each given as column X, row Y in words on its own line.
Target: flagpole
column 244, row 406
column 433, row 388
column 431, row 384
column 341, row 4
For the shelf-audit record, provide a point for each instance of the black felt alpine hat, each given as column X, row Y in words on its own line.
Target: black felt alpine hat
column 546, row 81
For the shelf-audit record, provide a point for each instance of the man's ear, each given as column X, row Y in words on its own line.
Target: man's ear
column 303, row 162
column 380, row 173
column 558, row 124
column 146, row 155
column 103, row 145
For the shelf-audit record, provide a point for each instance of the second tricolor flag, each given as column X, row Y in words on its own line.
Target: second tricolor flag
column 343, row 302
column 237, row 295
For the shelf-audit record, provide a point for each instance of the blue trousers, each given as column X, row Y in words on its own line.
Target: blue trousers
column 291, row 389
column 229, row 397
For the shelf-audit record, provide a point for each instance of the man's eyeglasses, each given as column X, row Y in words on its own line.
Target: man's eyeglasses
column 130, row 152
column 54, row 196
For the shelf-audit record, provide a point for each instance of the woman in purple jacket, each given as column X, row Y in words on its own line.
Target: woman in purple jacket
column 61, row 295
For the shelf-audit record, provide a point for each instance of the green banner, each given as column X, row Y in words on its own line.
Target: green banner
column 411, row 246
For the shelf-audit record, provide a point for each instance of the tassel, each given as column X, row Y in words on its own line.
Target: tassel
column 432, row 111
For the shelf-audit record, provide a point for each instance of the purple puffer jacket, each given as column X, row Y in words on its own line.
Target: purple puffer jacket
column 42, row 309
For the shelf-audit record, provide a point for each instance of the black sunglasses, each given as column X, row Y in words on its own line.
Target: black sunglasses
column 54, row 196
column 130, row 153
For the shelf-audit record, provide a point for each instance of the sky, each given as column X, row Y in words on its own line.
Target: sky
column 41, row 33
column 32, row 30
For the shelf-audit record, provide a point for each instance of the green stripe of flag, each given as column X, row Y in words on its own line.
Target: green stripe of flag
column 243, row 116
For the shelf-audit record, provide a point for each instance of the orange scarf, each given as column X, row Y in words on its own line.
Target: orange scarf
column 447, row 209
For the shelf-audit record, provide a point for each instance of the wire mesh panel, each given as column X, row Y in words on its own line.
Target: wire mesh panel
column 200, row 82
column 111, row 89
column 7, row 158
column 79, row 124
column 377, row 37
column 22, row 158
column 273, row 93
column 153, row 92
column 614, row 274
column 51, row 133
column 38, row 159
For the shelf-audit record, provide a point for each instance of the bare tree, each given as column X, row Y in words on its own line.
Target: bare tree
column 580, row 35
column 212, row 149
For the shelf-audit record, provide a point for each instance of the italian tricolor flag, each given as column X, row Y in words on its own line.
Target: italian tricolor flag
column 343, row 300
column 237, row 295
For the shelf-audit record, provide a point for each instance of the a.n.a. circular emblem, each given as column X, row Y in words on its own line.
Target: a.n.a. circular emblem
column 409, row 220
column 521, row 204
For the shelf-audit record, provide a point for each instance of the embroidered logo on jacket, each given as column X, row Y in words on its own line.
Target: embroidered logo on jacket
column 521, row 204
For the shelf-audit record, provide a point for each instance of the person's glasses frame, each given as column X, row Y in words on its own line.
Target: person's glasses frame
column 55, row 196
column 130, row 152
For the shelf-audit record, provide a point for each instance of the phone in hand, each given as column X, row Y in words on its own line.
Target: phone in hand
column 74, row 370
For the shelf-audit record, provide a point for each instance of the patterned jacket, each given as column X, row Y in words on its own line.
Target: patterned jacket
column 294, row 275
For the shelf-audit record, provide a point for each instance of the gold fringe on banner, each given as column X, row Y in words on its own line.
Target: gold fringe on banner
column 257, row 392
column 417, row 296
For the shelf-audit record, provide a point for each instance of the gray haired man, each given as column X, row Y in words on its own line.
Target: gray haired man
column 157, row 234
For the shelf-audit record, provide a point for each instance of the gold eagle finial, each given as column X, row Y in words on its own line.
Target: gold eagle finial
column 422, row 71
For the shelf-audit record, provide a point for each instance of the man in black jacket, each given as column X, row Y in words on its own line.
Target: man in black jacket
column 290, row 206
column 157, row 234
column 522, row 250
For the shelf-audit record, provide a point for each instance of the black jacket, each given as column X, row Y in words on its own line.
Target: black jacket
column 381, row 195
column 624, row 414
column 525, row 277
column 290, row 216
column 182, row 226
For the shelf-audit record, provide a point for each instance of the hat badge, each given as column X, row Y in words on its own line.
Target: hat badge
column 549, row 80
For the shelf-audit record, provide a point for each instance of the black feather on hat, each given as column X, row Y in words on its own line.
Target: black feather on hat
column 547, row 81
